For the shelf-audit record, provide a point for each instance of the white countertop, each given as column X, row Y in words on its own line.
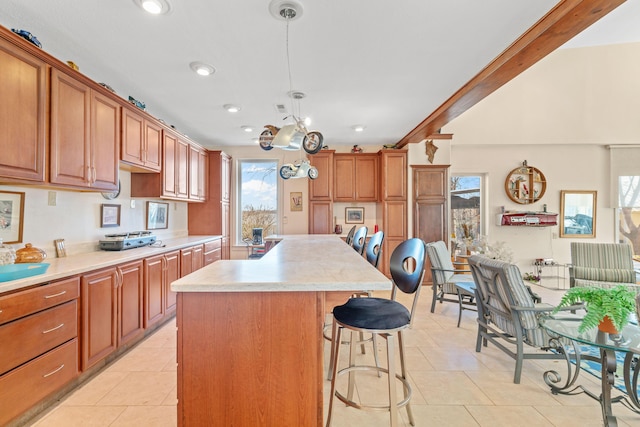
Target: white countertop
column 82, row 263
column 297, row 263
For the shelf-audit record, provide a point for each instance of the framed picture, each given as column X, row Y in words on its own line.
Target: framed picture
column 578, row 213
column 157, row 215
column 11, row 216
column 354, row 215
column 295, row 198
column 109, row 215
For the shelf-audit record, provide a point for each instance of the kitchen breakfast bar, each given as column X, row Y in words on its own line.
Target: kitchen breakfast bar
column 250, row 344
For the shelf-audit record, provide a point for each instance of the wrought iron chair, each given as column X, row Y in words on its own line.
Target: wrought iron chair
column 507, row 314
column 386, row 318
column 360, row 239
column 447, row 282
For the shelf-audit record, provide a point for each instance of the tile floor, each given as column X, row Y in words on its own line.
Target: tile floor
column 453, row 385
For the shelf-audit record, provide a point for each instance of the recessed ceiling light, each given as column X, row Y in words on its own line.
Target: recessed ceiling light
column 202, row 69
column 247, row 128
column 155, row 7
column 358, row 128
column 232, row 108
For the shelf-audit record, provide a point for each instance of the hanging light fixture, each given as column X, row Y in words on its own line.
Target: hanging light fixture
column 293, row 136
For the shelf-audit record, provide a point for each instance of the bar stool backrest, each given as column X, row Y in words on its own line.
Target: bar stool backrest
column 360, row 239
column 374, row 248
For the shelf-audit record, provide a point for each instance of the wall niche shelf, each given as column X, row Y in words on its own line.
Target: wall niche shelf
column 525, row 184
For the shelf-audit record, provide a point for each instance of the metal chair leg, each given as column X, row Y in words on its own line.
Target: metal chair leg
column 391, row 366
column 334, row 359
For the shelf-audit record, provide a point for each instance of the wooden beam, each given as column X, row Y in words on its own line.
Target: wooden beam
column 440, row 136
column 567, row 19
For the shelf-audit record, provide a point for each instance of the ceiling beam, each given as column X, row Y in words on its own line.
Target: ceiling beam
column 567, row 19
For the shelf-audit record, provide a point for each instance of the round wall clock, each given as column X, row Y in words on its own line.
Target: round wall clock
column 112, row 195
column 525, row 184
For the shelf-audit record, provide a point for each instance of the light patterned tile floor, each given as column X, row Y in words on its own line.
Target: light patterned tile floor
column 453, row 385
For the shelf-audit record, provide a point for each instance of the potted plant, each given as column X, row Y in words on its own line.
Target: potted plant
column 616, row 304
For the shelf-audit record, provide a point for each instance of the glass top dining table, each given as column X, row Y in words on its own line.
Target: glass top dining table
column 563, row 330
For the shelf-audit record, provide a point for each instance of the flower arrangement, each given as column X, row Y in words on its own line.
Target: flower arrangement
column 530, row 277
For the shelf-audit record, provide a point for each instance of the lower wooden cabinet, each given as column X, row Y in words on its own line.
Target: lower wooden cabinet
column 212, row 252
column 130, row 302
column 159, row 299
column 191, row 259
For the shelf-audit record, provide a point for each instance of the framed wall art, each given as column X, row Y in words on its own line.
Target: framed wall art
column 295, row 198
column 578, row 213
column 354, row 215
column 157, row 215
column 11, row 216
column 109, row 215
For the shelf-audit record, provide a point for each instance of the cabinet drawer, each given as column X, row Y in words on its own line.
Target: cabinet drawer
column 37, row 334
column 212, row 245
column 212, row 256
column 30, row 301
column 23, row 387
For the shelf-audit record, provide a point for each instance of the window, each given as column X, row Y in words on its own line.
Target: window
column 466, row 209
column 629, row 211
column 257, row 198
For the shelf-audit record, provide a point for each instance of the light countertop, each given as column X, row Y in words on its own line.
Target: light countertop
column 297, row 263
column 82, row 263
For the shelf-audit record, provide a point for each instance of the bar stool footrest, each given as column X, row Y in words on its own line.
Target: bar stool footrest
column 401, row 404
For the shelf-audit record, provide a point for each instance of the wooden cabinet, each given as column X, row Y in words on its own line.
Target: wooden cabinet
column 393, row 198
column 141, row 148
column 356, row 177
column 173, row 181
column 159, row 299
column 39, row 336
column 197, row 173
column 99, row 316
column 191, row 259
column 212, row 252
column 130, row 302
column 430, row 219
column 24, row 123
column 321, row 193
column 85, row 135
column 320, row 217
column 213, row 216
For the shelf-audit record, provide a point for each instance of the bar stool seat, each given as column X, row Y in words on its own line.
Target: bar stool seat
column 386, row 318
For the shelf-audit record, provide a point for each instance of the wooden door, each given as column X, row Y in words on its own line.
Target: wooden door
column 132, row 137
column 430, row 219
column 130, row 302
column 154, row 290
column 70, row 154
column 182, row 169
column 320, row 217
column 186, row 261
column 225, row 177
column 394, row 225
column 393, row 168
column 24, row 78
column 198, row 258
column 172, row 273
column 99, row 316
column 105, row 142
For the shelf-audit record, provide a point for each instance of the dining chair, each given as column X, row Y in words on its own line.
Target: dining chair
column 360, row 239
column 349, row 238
column 374, row 248
column 386, row 318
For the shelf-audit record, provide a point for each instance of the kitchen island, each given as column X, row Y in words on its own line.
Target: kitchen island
column 250, row 345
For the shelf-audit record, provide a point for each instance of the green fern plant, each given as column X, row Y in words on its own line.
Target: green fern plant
column 617, row 303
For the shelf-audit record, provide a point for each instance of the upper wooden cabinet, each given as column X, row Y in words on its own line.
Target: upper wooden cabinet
column 321, row 188
column 141, row 148
column 24, row 123
column 85, row 135
column 197, row 173
column 393, row 174
column 356, row 177
column 173, row 181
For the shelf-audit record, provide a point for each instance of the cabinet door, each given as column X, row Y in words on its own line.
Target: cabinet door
column 198, row 258
column 186, row 261
column 225, row 177
column 366, row 178
column 130, row 302
column 99, row 316
column 132, row 137
column 320, row 217
column 321, row 188
column 70, row 156
column 169, row 183
column 344, row 186
column 394, row 224
column 105, row 142
column 196, row 173
column 23, row 78
column 153, row 290
column 182, row 169
column 393, row 180
column 172, row 273
column 152, row 154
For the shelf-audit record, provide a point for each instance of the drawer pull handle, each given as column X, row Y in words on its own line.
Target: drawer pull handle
column 53, row 329
column 55, row 295
column 53, row 372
